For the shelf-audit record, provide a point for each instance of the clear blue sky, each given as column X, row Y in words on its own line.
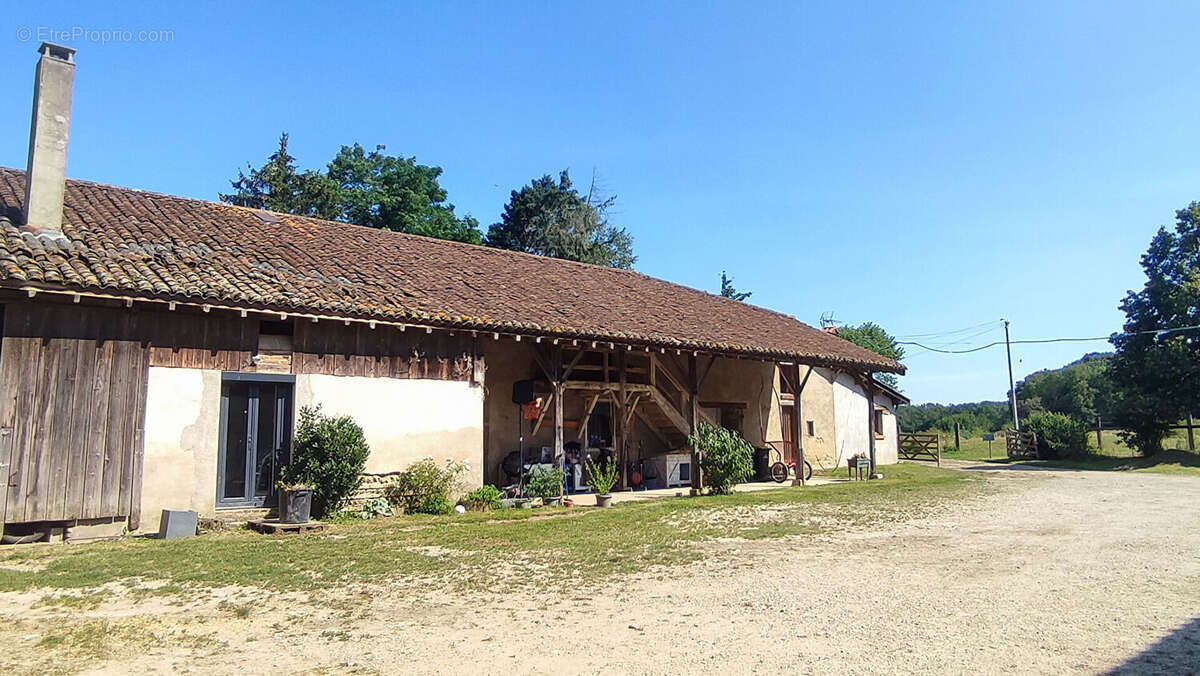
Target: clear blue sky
column 927, row 168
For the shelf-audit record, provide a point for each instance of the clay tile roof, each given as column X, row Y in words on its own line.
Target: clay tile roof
column 131, row 242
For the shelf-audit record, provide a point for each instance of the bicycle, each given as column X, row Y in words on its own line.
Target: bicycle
column 780, row 470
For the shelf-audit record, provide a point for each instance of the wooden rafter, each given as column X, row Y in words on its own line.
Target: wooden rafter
column 632, row 407
column 542, row 416
column 672, row 414
column 587, row 415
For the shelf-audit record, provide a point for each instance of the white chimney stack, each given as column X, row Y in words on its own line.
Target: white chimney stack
column 46, row 175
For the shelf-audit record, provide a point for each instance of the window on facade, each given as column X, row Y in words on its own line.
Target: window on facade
column 275, row 337
column 879, row 422
column 811, row 429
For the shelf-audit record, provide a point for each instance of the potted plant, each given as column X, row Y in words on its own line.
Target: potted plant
column 601, row 479
column 295, row 502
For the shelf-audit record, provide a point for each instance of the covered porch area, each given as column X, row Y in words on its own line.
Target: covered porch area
column 563, row 403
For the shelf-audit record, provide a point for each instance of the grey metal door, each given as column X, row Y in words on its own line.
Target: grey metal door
column 256, row 434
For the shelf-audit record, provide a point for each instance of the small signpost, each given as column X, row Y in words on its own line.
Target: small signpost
column 989, row 437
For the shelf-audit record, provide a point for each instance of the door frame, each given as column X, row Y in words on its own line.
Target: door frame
column 251, row 433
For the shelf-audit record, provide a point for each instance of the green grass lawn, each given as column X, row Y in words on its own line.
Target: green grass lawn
column 1166, row 462
column 975, row 448
column 1112, row 454
column 486, row 549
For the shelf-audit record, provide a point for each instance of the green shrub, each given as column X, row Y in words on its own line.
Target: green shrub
column 425, row 488
column 725, row 457
column 545, row 482
column 602, row 478
column 328, row 454
column 1058, row 436
column 375, row 507
column 482, row 499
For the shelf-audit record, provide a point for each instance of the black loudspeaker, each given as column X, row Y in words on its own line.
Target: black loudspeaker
column 523, row 392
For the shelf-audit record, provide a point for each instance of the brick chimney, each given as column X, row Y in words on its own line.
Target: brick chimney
column 46, row 174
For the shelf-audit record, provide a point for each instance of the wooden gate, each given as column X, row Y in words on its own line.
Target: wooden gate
column 916, row 446
column 1020, row 444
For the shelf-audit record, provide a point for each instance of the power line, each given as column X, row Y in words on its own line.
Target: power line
column 939, row 334
column 1044, row 340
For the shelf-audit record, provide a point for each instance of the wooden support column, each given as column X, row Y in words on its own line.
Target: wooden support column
column 693, row 416
column 869, row 391
column 619, row 440
column 797, row 419
column 559, row 452
column 1191, row 434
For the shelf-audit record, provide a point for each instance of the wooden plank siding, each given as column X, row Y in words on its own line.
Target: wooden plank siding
column 74, row 397
column 73, row 382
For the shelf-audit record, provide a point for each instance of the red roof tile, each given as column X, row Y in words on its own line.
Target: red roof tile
column 128, row 241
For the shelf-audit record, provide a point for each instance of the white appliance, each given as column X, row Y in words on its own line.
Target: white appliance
column 671, row 470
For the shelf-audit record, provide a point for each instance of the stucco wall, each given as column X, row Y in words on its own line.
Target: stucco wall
column 852, row 425
column 820, row 447
column 887, row 449
column 183, row 422
column 752, row 383
column 405, row 420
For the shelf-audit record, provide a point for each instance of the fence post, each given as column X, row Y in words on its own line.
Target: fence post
column 1099, row 440
column 1191, row 438
column 957, row 447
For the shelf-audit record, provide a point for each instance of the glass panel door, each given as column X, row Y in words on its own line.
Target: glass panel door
column 256, row 432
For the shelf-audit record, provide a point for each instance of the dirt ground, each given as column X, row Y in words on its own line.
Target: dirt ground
column 1056, row 572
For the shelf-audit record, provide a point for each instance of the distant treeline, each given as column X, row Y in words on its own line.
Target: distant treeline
column 974, row 419
column 1081, row 390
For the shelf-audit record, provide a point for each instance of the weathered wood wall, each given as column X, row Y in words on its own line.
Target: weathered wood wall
column 228, row 343
column 73, row 382
column 71, row 414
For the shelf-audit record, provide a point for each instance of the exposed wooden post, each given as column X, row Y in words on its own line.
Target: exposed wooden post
column 957, row 444
column 693, row 415
column 1099, row 439
column 1191, row 434
column 797, row 417
column 559, row 453
column 869, row 390
column 619, row 438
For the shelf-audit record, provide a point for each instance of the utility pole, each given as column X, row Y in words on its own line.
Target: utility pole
column 1012, row 387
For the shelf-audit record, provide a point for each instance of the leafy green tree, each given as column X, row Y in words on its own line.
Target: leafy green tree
column 974, row 418
column 551, row 218
column 873, row 337
column 1157, row 364
column 729, row 291
column 395, row 193
column 1083, row 390
column 279, row 186
column 365, row 188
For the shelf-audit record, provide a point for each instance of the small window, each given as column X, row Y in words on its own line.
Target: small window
column 275, row 337
column 879, row 423
column 812, row 432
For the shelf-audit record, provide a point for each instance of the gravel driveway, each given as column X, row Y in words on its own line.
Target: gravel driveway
column 1059, row 572
column 1056, row 572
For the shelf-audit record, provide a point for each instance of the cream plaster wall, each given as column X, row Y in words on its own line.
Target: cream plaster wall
column 887, row 449
column 183, row 422
column 405, row 420
column 852, row 424
column 752, row 383
column 820, row 447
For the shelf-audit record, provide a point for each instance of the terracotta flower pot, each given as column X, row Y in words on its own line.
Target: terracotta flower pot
column 603, row 500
